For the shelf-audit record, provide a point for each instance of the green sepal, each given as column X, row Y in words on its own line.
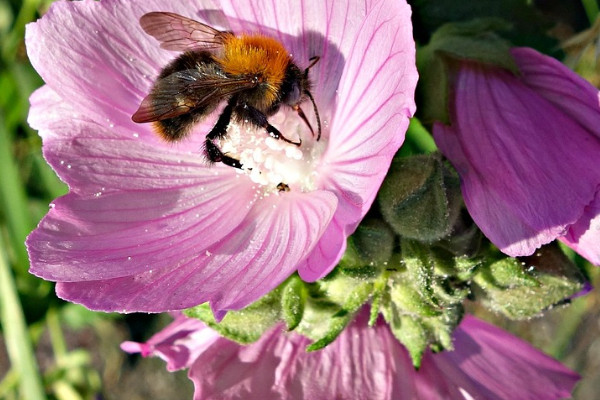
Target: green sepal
column 529, row 26
column 523, row 288
column 337, row 323
column 419, row 265
column 422, row 300
column 368, row 249
column 474, row 40
column 246, row 325
column 465, row 241
column 293, row 299
column 507, row 273
column 380, row 287
column 412, row 334
column 441, row 279
column 408, row 299
column 459, row 268
column 420, row 198
column 355, row 297
column 374, row 241
column 417, row 333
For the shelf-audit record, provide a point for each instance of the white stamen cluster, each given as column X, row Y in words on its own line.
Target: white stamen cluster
column 272, row 163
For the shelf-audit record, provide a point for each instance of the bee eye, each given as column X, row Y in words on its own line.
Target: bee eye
column 292, row 97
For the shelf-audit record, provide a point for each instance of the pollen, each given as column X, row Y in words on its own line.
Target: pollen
column 274, row 165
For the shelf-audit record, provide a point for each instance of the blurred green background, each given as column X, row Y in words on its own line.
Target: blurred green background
column 50, row 349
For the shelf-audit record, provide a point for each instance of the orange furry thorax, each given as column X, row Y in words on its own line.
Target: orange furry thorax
column 257, row 55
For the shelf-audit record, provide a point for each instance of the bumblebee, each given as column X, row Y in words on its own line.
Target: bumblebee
column 254, row 74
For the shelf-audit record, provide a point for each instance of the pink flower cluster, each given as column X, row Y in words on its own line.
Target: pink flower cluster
column 526, row 147
column 363, row 363
column 149, row 226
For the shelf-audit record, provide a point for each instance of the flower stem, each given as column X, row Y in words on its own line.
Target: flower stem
column 18, row 343
column 420, row 137
column 13, row 198
column 57, row 338
column 591, row 9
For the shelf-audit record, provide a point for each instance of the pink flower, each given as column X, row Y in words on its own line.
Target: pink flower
column 526, row 147
column 148, row 225
column 363, row 363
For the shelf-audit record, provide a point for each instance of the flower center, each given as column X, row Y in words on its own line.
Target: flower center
column 273, row 163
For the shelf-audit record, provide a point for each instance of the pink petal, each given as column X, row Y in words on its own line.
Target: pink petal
column 179, row 344
column 276, row 235
column 137, row 211
column 363, row 363
column 523, row 182
column 377, row 88
column 375, row 100
column 325, row 255
column 584, row 235
column 98, row 56
column 492, row 364
column 553, row 80
column 133, row 207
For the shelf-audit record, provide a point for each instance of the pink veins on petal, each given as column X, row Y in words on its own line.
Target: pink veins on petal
column 149, row 225
column 362, row 363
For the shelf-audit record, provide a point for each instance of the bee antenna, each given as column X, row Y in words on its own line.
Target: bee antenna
column 312, row 99
column 313, row 61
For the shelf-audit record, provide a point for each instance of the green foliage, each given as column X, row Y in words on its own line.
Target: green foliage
column 246, row 325
column 524, row 288
column 423, row 304
column 350, row 294
column 293, row 300
column 415, row 264
column 420, row 197
column 529, row 27
column 475, row 41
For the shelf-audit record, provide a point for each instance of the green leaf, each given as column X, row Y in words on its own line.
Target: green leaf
column 420, row 137
column 356, row 297
column 14, row 198
column 529, row 26
column 293, row 299
column 18, row 342
column 412, row 334
column 474, row 41
column 246, row 325
column 409, row 299
column 432, row 88
column 523, row 288
column 380, row 287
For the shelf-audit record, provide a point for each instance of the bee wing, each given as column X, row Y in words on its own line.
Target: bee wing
column 178, row 33
column 184, row 91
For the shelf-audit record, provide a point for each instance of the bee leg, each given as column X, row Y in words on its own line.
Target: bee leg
column 219, row 131
column 255, row 116
column 216, row 155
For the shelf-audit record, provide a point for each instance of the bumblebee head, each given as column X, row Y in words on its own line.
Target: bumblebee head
column 296, row 88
